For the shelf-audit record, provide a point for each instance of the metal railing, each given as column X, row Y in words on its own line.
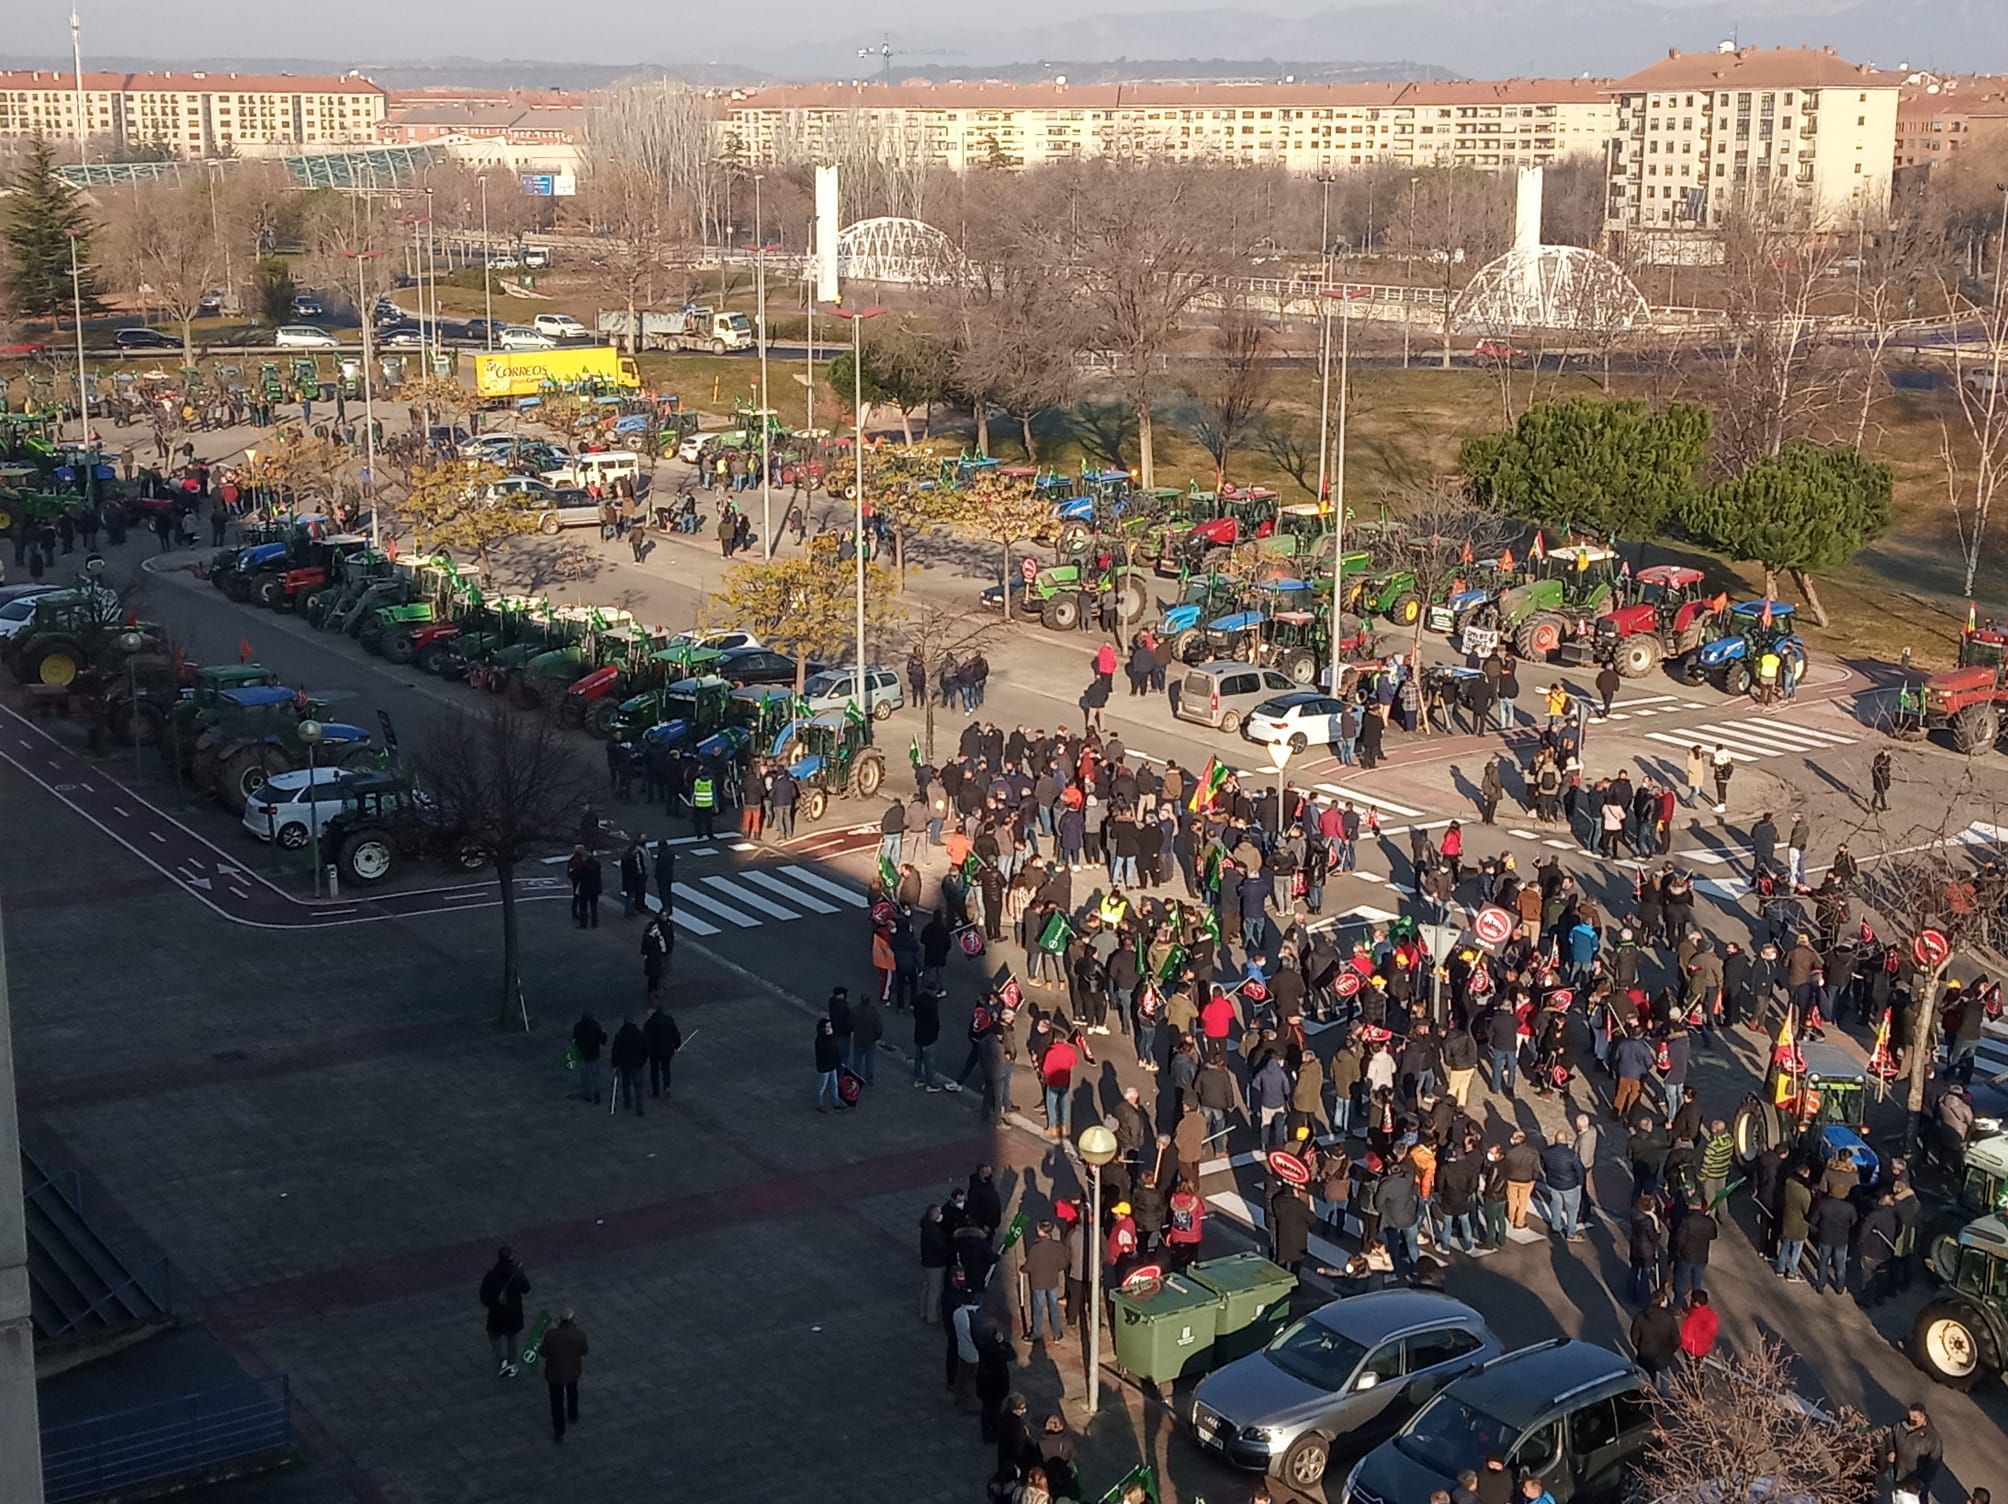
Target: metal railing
column 154, row 1279
column 184, row 1436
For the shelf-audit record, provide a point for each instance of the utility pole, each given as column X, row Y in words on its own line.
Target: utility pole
column 1324, row 332
column 760, row 332
column 20, row 1425
column 77, row 59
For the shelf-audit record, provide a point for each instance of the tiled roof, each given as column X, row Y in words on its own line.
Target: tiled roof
column 998, row 96
column 1755, row 68
column 185, row 83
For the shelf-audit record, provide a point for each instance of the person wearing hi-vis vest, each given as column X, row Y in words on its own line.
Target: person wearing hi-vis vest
column 703, row 803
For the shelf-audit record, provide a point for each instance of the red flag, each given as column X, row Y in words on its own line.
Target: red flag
column 243, row 650
column 1764, row 620
column 390, row 548
column 1465, row 557
column 132, row 617
column 1506, row 559
column 1539, row 548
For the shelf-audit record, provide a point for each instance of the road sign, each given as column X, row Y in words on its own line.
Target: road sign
column 1931, row 948
column 1493, row 925
column 1347, row 984
column 1288, row 1167
column 389, row 734
column 1279, row 755
column 536, row 184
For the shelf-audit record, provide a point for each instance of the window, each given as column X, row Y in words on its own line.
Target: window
column 1385, row 1362
column 1593, row 1427
column 1431, row 1348
column 1636, row 1412
column 1540, row 1449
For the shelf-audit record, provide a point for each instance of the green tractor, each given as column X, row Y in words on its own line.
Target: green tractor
column 270, row 382
column 140, row 706
column 433, row 591
column 24, row 493
column 682, row 691
column 1056, row 592
column 1299, row 644
column 830, row 755
column 544, row 677
column 630, row 659
column 1577, row 585
column 1392, row 595
column 71, row 632
column 347, row 581
column 1961, row 1337
column 253, row 733
column 488, row 627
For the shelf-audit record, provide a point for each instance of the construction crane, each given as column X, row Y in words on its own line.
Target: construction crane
column 886, row 52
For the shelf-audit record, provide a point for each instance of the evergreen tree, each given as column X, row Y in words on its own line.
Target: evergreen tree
column 41, row 213
column 1614, row 468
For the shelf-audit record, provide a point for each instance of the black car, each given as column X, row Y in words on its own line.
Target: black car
column 144, row 339
column 1572, row 1414
column 743, row 666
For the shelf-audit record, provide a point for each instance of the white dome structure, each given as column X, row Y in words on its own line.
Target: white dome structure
column 907, row 251
column 1547, row 287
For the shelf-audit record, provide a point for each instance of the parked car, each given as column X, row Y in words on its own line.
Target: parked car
column 1224, row 694
column 522, row 337
column 603, row 465
column 836, row 688
column 210, row 302
column 1575, row 1415
column 307, row 306
column 305, row 337
column 284, row 811
column 559, row 326
column 480, row 329
column 401, row 337
column 144, row 339
column 759, row 666
column 1340, row 1378
column 693, row 446
column 1298, row 719
column 723, row 639
column 537, row 256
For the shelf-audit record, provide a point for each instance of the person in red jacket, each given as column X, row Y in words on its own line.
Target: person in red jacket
column 1122, row 1240
column 1056, row 1074
column 1186, row 1225
column 1698, row 1327
column 1216, row 1018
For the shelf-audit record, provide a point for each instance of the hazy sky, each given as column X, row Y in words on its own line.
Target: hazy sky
column 1484, row 37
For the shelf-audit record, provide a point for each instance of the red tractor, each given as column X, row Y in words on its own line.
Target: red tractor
column 1967, row 700
column 1666, row 618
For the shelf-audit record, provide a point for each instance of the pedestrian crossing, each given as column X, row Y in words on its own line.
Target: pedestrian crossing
column 755, row 896
column 1370, row 801
column 1752, row 736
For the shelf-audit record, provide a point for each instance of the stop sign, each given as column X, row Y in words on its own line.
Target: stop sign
column 1931, row 948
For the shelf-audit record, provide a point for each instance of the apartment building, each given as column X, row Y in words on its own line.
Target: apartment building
column 1939, row 117
column 195, row 114
column 1302, row 127
column 1798, row 135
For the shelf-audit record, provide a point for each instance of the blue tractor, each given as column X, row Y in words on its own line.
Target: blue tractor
column 1751, row 628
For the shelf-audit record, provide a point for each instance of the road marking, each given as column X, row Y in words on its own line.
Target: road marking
column 1525, row 835
column 702, row 851
column 768, row 880
column 751, row 899
column 684, row 921
column 685, row 893
column 837, row 890
column 158, row 836
column 746, row 846
column 1406, row 811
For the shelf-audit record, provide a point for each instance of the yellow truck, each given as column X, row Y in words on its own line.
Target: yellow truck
column 526, row 373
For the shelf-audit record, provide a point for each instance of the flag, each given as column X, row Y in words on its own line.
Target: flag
column 1764, row 617
column 1972, row 616
column 1880, row 1063
column 1210, row 862
column 852, row 714
column 1505, row 559
column 888, row 874
column 1057, row 932
column 1013, row 1233
column 1211, row 779
column 243, row 650
column 1466, row 556
column 971, row 865
column 1174, row 958
column 913, row 750
column 1784, row 1040
column 1209, row 920
column 1538, row 550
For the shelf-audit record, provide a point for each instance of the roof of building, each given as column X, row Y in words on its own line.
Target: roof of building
column 186, row 83
column 1755, row 68
column 1001, row 96
column 486, row 117
column 1932, row 98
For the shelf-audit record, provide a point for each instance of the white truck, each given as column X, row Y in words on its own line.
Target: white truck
column 700, row 328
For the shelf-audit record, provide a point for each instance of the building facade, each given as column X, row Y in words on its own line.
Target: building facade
column 1795, row 136
column 1939, row 117
column 191, row 114
column 1302, row 127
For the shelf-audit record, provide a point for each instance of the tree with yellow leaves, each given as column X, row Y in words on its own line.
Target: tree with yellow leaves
column 1006, row 510
column 806, row 606
column 448, row 506
column 297, row 471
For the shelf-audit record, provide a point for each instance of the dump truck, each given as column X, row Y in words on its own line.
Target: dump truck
column 701, row 328
column 506, row 375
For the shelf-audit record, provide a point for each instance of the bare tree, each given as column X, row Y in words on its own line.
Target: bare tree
column 1291, row 449
column 1975, row 453
column 512, row 783
column 166, row 238
column 659, row 130
column 631, row 208
column 1897, row 266
column 938, row 636
column 1230, row 386
column 1454, row 220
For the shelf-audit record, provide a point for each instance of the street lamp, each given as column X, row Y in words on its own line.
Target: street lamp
column 77, row 304
column 310, row 737
column 487, row 266
column 369, row 395
column 857, row 316
column 760, row 330
column 1098, row 1147
column 1325, row 179
column 1338, row 500
column 432, row 266
column 130, row 643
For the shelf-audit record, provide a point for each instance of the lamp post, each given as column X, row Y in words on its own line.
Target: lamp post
column 1098, row 1147
column 77, row 307
column 857, row 316
column 1324, row 331
column 369, row 395
column 310, row 737
column 1344, row 294
column 487, row 271
column 760, row 332
column 431, row 265
column 130, row 643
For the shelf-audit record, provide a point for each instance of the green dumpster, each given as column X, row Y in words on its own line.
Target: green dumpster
column 1165, row 1331
column 1255, row 1302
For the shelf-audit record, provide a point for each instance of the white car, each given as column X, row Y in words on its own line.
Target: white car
column 559, row 326
column 305, row 337
column 20, row 607
column 523, row 337
column 833, row 689
column 605, row 466
column 693, row 445
column 284, row 812
column 1297, row 720
column 721, row 639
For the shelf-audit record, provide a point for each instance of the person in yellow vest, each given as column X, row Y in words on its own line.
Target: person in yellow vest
column 703, row 803
column 1112, row 911
column 1768, row 664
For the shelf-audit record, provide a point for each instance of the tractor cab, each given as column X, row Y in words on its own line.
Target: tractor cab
column 830, row 754
column 1819, row 1093
column 1299, row 643
column 760, row 709
column 1983, row 1185
column 1961, row 1336
column 686, row 708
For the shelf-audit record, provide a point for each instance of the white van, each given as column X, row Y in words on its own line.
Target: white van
column 606, row 467
column 835, row 689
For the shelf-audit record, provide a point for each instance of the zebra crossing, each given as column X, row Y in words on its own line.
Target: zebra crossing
column 754, row 896
column 1751, row 737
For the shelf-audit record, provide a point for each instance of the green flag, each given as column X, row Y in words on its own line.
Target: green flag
column 1014, row 1232
column 1209, row 920
column 971, row 866
column 1057, row 932
column 913, row 750
column 1168, row 968
column 533, row 1347
column 888, row 875
column 1210, row 867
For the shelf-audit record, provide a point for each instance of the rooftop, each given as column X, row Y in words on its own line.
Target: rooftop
column 187, row 83
column 1001, row 96
column 1755, row 68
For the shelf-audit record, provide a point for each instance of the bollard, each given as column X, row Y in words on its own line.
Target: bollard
column 334, row 889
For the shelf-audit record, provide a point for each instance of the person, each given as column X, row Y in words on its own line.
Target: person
column 1880, row 771
column 993, row 1391
column 1521, row 1164
column 1647, row 1244
column 703, row 803
column 1045, row 1276
column 1831, row 1226
column 588, row 1038
column 657, row 941
column 502, row 1290
column 829, row 1059
column 867, row 1029
column 628, row 1055
column 564, row 1358
column 1491, row 789
column 1562, row 1172
column 1692, row 1235
column 1721, row 767
column 934, row 1257
column 1608, row 683
column 660, row 1033
column 584, row 871
column 1698, row 1327
column 1655, row 1335
column 1794, row 1226
column 1534, row 1490
column 1914, row 1456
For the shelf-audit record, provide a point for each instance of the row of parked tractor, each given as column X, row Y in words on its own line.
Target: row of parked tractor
column 718, row 694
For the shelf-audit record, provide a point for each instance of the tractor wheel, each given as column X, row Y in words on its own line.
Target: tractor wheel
column 601, row 718
column 470, row 856
column 267, row 590
column 367, row 857
column 1638, row 655
column 1977, row 727
column 315, row 607
column 1301, row 666
column 814, row 803
column 6, row 518
column 244, row 771
column 497, row 681
column 371, row 637
column 867, row 776
column 1132, row 600
column 571, row 713
column 1074, row 536
column 1688, row 670
column 1755, row 1130
column 1737, row 677
column 57, row 662
column 1061, row 612
column 1539, row 635
column 1953, row 1344
column 362, row 760
column 1404, row 609
column 433, row 657
column 398, row 648
column 1189, row 646
column 135, row 724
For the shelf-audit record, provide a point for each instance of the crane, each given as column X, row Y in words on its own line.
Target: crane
column 886, row 52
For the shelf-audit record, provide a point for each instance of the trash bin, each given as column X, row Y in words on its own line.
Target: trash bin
column 1166, row 1332
column 1254, row 1301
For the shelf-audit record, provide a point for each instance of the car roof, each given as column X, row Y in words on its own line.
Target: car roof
column 1379, row 1314
column 1523, row 1386
column 1221, row 666
column 297, row 779
column 1831, row 1061
column 692, row 686
column 1296, row 697
column 1990, row 1231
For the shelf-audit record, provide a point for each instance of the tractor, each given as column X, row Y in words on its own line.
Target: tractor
column 1820, row 1093
column 1204, row 597
column 1238, row 633
column 163, row 686
column 255, row 733
column 1754, row 627
column 307, row 567
column 830, row 755
column 677, row 712
column 1209, row 522
column 536, row 629
column 426, row 643
column 70, row 633
column 225, row 559
column 1056, row 592
column 544, row 677
column 1299, row 643
column 631, row 659
column 351, row 577
column 1471, row 595
column 1962, row 1335
column 432, row 596
column 1667, row 617
column 1393, row 596
column 384, row 820
column 1575, row 588
column 1967, row 700
column 1302, row 532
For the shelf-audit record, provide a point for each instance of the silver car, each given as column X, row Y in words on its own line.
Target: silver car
column 1344, row 1377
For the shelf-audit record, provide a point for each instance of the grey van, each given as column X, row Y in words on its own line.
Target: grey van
column 1221, row 694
